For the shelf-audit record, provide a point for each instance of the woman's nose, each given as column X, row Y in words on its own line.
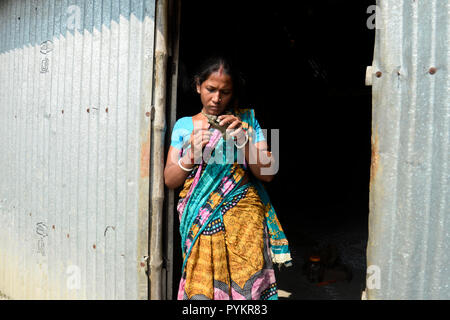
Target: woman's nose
column 216, row 97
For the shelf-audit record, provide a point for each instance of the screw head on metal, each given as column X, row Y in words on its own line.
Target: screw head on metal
column 378, row 74
column 432, row 70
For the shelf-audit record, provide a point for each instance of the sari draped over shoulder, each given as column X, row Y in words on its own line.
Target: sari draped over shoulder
column 230, row 233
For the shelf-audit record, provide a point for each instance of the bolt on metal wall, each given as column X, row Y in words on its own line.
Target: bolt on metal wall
column 409, row 227
column 75, row 94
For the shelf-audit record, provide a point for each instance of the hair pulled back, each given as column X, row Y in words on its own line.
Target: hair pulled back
column 214, row 64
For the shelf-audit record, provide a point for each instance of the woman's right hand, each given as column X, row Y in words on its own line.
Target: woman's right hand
column 174, row 176
column 199, row 139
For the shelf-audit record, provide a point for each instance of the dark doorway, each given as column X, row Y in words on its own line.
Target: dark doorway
column 305, row 64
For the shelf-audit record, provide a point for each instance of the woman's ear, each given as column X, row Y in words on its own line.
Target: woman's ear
column 198, row 86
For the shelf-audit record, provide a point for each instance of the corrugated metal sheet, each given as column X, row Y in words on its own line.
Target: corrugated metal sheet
column 409, row 236
column 75, row 102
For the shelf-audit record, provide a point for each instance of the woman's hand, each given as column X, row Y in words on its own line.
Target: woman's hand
column 174, row 175
column 199, row 139
column 235, row 127
column 257, row 155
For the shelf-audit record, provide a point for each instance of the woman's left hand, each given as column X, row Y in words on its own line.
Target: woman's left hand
column 235, row 126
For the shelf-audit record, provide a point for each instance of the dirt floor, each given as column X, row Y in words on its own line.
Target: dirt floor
column 349, row 238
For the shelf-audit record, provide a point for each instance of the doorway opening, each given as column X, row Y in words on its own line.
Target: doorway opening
column 305, row 65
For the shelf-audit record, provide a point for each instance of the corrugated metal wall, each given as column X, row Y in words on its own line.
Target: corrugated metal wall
column 409, row 237
column 75, row 102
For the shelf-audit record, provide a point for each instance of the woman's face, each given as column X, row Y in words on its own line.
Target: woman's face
column 216, row 92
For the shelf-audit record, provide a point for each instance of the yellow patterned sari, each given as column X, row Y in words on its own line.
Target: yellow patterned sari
column 230, row 233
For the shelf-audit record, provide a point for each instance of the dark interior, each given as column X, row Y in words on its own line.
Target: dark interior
column 304, row 64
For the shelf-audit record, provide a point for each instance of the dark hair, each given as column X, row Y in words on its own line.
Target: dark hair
column 213, row 64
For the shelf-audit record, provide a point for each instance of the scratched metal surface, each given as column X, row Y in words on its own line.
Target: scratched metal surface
column 75, row 92
column 409, row 240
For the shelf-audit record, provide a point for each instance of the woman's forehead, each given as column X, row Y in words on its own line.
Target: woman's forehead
column 219, row 79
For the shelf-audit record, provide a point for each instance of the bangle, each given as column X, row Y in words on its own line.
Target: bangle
column 183, row 168
column 243, row 145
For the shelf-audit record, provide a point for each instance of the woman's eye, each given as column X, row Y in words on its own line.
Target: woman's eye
column 211, row 89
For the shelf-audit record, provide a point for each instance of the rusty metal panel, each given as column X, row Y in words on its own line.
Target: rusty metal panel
column 76, row 82
column 409, row 227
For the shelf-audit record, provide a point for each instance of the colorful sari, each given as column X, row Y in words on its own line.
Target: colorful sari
column 230, row 233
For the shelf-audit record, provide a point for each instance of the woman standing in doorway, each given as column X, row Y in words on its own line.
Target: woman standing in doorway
column 230, row 233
